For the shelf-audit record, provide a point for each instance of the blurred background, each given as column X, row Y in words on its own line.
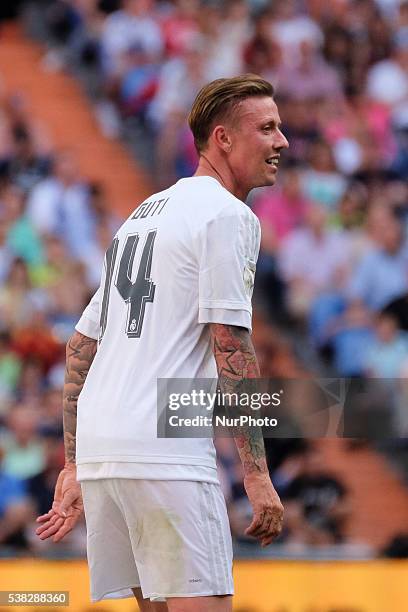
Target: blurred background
column 94, row 96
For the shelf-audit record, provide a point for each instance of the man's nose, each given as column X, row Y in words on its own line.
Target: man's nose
column 282, row 142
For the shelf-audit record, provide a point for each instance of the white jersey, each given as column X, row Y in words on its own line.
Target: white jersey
column 184, row 258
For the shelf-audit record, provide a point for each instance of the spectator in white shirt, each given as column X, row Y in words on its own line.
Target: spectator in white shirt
column 131, row 26
column 387, row 81
column 312, row 260
column 291, row 29
column 57, row 203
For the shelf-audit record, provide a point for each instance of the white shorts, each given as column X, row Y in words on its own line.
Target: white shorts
column 171, row 538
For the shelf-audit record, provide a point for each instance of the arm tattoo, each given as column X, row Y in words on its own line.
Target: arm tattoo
column 80, row 353
column 238, row 370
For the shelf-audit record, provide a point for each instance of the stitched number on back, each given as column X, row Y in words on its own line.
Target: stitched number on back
column 110, row 259
column 136, row 294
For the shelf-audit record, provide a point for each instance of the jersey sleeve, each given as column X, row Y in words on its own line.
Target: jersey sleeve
column 228, row 252
column 88, row 324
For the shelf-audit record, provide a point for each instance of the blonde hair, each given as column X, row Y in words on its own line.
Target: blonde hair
column 218, row 100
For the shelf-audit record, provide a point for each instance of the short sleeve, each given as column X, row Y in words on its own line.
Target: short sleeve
column 88, row 324
column 228, row 252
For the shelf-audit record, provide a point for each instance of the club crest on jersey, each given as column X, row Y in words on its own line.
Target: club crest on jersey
column 132, row 326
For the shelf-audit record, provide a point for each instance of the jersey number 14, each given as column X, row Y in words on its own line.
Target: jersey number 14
column 135, row 293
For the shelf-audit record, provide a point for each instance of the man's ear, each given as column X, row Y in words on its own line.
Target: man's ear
column 222, row 138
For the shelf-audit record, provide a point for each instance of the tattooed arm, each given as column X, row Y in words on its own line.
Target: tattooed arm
column 238, row 370
column 67, row 506
column 80, row 354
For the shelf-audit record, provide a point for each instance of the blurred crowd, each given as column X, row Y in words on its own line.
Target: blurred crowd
column 334, row 257
column 332, row 277
column 54, row 230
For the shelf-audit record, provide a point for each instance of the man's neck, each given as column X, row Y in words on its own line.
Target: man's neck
column 222, row 173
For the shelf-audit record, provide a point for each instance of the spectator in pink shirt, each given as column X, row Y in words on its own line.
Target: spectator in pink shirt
column 280, row 210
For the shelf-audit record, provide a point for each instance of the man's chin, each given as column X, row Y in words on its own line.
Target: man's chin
column 270, row 180
column 265, row 181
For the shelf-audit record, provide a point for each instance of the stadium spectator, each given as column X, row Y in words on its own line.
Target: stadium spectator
column 51, row 417
column 56, row 203
column 349, row 334
column 322, row 182
column 132, row 25
column 313, row 260
column 389, row 349
column 15, row 509
column 34, row 341
column 180, row 26
column 24, row 167
column 18, row 298
column 381, row 275
column 280, row 212
column 10, row 369
column 99, row 204
column 23, row 448
column 310, row 77
column 387, row 80
column 56, row 264
column 262, row 54
column 22, row 238
column 226, row 29
column 138, row 83
column 21, row 130
column 179, row 81
column 5, row 254
column 31, row 383
column 291, row 29
column 69, row 293
column 41, row 486
column 317, row 503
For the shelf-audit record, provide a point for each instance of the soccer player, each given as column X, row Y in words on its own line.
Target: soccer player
column 174, row 302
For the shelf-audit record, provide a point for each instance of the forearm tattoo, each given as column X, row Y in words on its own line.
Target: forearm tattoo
column 80, row 354
column 238, row 370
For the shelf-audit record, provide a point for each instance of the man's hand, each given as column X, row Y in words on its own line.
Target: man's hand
column 238, row 371
column 268, row 510
column 66, row 508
